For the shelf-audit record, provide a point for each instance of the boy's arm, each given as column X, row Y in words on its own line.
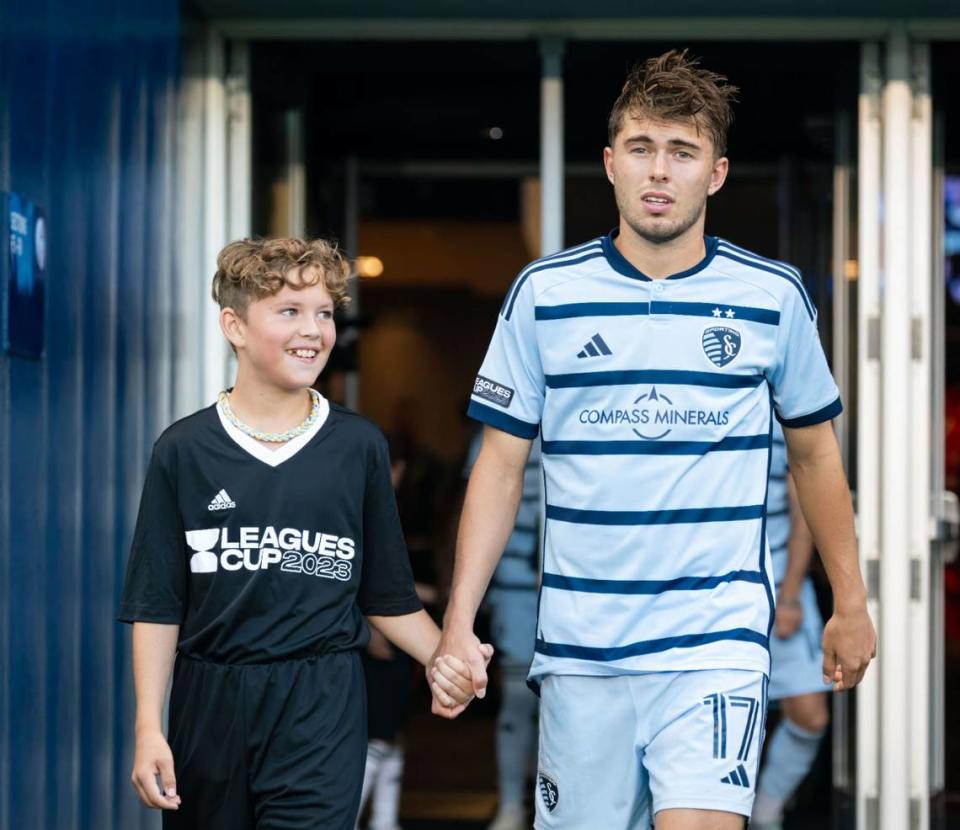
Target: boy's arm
column 489, row 511
column 849, row 639
column 154, row 648
column 799, row 554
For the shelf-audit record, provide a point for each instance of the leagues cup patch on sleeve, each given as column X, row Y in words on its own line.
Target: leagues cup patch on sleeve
column 492, row 391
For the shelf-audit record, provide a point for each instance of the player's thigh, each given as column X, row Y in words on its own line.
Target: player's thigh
column 698, row 820
column 309, row 754
column 704, row 753
column 589, row 770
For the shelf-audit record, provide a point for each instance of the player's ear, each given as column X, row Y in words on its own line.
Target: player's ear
column 718, row 175
column 608, row 163
column 231, row 324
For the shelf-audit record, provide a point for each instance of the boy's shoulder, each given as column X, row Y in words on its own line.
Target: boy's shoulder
column 357, row 427
column 189, row 429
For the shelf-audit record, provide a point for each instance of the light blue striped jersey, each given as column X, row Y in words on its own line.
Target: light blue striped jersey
column 778, row 506
column 519, row 567
column 655, row 402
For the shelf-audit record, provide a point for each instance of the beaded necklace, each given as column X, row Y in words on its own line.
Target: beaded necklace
column 271, row 437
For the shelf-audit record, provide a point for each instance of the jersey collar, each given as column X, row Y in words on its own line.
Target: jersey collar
column 621, row 265
column 275, row 457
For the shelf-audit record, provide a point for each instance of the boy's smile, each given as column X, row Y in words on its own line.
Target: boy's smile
column 286, row 338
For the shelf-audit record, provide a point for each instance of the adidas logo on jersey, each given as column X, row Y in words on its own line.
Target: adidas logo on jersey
column 221, row 501
column 737, row 777
column 595, row 347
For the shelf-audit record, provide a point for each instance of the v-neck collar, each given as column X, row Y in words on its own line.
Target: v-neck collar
column 274, row 458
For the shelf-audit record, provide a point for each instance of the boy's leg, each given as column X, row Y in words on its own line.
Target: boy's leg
column 385, row 810
column 590, row 769
column 308, row 742
column 208, row 744
column 703, row 734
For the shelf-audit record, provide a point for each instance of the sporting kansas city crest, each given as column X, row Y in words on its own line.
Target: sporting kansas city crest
column 721, row 344
column 549, row 791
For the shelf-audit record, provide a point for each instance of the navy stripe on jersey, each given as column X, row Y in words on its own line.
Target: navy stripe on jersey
column 646, row 586
column 715, row 311
column 649, row 646
column 733, row 443
column 769, row 267
column 502, row 421
column 581, row 254
column 688, row 515
column 831, row 410
column 521, row 277
column 661, row 376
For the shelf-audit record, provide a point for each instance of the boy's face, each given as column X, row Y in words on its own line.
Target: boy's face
column 285, row 339
column 662, row 174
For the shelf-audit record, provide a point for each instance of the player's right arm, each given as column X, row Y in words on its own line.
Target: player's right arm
column 489, row 512
column 154, row 649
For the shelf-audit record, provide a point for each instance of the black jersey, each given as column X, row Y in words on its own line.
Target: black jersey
column 261, row 559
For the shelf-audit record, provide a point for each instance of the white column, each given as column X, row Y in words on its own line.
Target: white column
column 293, row 124
column 215, row 350
column 868, row 416
column 919, row 434
column 551, row 147
column 239, row 142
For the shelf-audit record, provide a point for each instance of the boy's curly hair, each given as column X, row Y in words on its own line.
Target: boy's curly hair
column 672, row 87
column 251, row 269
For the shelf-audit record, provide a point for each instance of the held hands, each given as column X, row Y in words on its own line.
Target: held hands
column 153, row 758
column 849, row 644
column 455, row 681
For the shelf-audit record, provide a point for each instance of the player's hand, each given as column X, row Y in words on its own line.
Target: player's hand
column 450, row 678
column 462, row 643
column 789, row 617
column 849, row 644
column 153, row 758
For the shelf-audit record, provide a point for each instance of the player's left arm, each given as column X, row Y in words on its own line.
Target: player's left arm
column 849, row 638
column 418, row 635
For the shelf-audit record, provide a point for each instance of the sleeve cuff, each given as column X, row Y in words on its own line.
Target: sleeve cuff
column 827, row 413
column 394, row 608
column 141, row 613
column 502, row 421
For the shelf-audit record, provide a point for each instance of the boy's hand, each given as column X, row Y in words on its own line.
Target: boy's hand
column 153, row 758
column 452, row 683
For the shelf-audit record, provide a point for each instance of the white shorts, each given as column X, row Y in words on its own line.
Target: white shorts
column 796, row 663
column 614, row 751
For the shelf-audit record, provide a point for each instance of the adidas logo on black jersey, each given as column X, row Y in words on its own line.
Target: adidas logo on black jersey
column 221, row 501
column 595, row 347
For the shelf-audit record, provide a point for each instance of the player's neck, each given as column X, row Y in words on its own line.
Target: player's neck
column 268, row 408
column 661, row 259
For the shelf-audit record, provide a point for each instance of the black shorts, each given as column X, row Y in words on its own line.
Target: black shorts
column 279, row 746
column 388, row 694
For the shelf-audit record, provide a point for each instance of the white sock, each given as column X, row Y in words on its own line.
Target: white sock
column 385, row 811
column 790, row 754
column 516, row 734
column 376, row 750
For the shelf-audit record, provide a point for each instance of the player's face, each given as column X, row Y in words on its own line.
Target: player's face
column 662, row 174
column 287, row 338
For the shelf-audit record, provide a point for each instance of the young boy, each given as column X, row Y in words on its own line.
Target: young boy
column 656, row 600
column 267, row 531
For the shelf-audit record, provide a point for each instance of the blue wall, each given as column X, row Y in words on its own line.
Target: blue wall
column 87, row 120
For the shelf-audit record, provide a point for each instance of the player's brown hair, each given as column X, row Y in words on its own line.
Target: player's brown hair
column 251, row 269
column 672, row 87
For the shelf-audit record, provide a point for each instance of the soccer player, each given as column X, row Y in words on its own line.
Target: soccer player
column 653, row 362
column 267, row 532
column 512, row 599
column 795, row 653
